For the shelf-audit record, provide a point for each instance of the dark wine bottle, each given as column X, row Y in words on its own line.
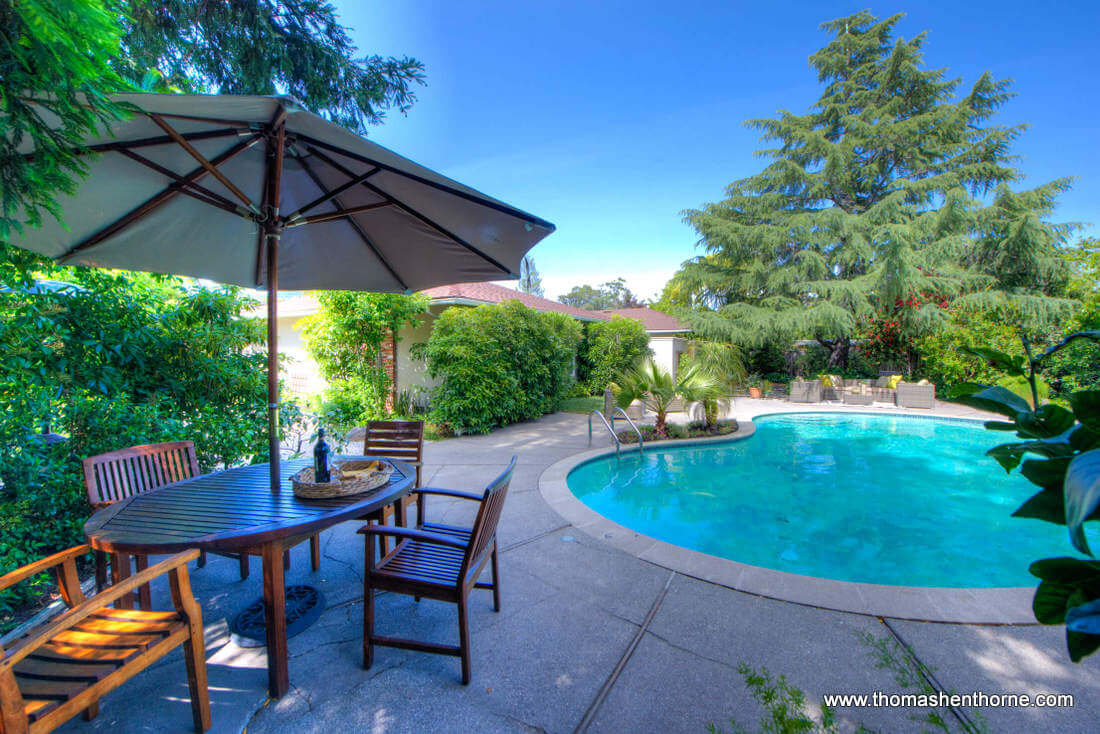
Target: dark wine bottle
column 320, row 458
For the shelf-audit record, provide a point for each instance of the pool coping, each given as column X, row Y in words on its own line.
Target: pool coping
column 1011, row 605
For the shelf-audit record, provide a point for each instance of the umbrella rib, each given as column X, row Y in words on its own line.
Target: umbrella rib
column 290, row 218
column 210, row 167
column 410, row 210
column 147, row 142
column 156, row 200
column 354, row 225
column 503, row 208
column 338, row 214
column 190, row 187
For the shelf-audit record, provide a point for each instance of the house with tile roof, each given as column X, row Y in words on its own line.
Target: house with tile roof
column 667, row 335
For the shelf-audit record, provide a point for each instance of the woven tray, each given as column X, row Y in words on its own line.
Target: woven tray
column 342, row 484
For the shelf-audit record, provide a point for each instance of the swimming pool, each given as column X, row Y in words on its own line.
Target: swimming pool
column 878, row 499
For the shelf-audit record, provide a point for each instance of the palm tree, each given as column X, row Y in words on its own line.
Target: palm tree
column 656, row 388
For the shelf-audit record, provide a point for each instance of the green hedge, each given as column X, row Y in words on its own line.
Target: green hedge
column 499, row 364
column 609, row 349
column 120, row 360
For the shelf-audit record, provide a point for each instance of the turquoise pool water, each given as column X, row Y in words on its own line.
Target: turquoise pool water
column 872, row 498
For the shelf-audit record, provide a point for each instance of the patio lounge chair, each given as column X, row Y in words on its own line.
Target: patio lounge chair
column 436, row 561
column 117, row 475
column 805, row 391
column 64, row 666
column 914, row 395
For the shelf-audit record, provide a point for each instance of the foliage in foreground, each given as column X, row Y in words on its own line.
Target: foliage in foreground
column 344, row 336
column 115, row 361
column 498, row 364
column 786, row 710
column 1059, row 452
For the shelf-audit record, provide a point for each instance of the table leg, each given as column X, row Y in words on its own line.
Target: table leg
column 278, row 675
column 120, row 570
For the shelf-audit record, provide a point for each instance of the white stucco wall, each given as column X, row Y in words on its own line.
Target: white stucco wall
column 667, row 351
column 412, row 374
column 301, row 373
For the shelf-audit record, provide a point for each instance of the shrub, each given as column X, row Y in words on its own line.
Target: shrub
column 609, row 349
column 345, row 338
column 499, row 364
column 116, row 361
column 944, row 362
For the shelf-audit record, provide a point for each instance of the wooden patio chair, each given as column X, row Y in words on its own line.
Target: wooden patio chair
column 401, row 441
column 67, row 664
column 436, row 561
column 116, row 475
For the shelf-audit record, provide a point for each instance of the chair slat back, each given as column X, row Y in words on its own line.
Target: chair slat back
column 117, row 475
column 399, row 440
column 485, row 526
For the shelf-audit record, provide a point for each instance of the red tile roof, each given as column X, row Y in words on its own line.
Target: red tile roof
column 652, row 320
column 493, row 293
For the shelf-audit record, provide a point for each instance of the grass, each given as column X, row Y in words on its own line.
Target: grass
column 581, row 405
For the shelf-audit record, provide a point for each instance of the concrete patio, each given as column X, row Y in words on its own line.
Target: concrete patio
column 590, row 638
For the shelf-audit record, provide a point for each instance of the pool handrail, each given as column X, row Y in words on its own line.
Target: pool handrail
column 641, row 441
column 614, row 436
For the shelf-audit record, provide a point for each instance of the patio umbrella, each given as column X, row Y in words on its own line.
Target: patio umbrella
column 257, row 191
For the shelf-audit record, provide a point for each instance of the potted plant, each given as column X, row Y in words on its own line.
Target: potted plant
column 756, row 386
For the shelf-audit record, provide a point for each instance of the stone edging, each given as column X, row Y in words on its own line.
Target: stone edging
column 967, row 606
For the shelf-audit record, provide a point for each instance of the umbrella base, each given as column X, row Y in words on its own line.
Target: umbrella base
column 304, row 605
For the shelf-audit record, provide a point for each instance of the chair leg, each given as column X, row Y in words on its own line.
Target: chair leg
column 100, row 571
column 368, row 627
column 286, row 560
column 243, row 560
column 145, row 601
column 464, row 640
column 496, row 578
column 315, row 552
column 201, row 563
column 194, row 656
column 91, row 712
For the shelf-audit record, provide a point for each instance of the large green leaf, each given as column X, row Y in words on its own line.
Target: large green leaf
column 1045, row 505
column 1046, row 473
column 1081, row 645
column 1007, row 363
column 1066, row 570
column 1048, row 421
column 1009, row 455
column 1049, row 603
column 1086, row 407
column 1084, row 618
column 1082, row 495
column 995, row 399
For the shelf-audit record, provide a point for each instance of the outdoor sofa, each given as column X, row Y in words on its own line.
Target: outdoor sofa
column 914, row 395
column 805, row 391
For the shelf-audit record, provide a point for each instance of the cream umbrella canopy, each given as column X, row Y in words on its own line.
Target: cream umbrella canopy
column 256, row 191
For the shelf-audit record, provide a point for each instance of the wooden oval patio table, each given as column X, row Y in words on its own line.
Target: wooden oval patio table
column 235, row 510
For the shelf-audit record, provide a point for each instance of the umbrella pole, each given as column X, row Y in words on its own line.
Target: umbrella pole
column 272, row 250
column 273, row 230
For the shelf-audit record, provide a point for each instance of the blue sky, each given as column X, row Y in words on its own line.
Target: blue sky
column 609, row 118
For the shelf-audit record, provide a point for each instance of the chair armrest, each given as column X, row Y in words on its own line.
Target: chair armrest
column 412, row 534
column 45, row 564
column 450, row 493
column 88, row 607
